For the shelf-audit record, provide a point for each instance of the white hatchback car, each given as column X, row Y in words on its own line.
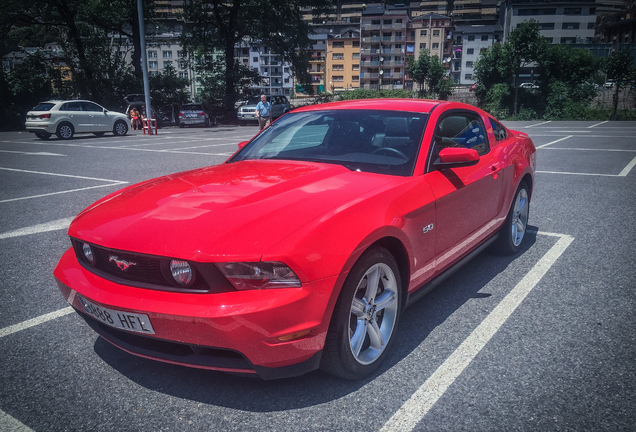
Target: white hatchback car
column 66, row 118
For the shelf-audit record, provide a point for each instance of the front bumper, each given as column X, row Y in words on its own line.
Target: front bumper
column 236, row 331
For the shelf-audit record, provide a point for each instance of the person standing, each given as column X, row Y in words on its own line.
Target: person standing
column 263, row 112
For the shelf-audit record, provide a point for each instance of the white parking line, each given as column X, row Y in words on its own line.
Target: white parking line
column 9, row 424
column 597, row 124
column 628, row 168
column 418, row 405
column 538, row 124
column 555, row 141
column 61, row 175
column 55, row 225
column 35, row 321
column 32, row 153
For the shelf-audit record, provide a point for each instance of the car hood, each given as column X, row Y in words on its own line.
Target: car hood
column 231, row 211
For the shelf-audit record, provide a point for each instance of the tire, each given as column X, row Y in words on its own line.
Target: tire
column 65, row 131
column 181, row 125
column 120, row 128
column 43, row 135
column 365, row 317
column 514, row 228
column 99, row 134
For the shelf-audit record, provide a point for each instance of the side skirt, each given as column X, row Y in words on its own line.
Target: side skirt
column 429, row 286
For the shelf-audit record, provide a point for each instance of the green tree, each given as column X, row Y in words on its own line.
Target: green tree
column 418, row 69
column 493, row 67
column 219, row 25
column 525, row 46
column 429, row 73
column 619, row 67
column 167, row 88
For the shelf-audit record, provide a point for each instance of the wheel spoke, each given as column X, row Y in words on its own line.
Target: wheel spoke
column 357, row 307
column 373, row 281
column 375, row 335
column 385, row 299
column 357, row 339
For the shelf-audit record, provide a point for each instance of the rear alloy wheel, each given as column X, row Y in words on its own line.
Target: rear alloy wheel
column 43, row 135
column 514, row 229
column 120, row 128
column 365, row 317
column 65, row 131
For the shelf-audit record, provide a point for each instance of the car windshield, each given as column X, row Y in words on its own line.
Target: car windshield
column 45, row 106
column 192, row 107
column 253, row 100
column 377, row 141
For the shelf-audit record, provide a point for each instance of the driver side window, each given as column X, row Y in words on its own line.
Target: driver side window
column 462, row 130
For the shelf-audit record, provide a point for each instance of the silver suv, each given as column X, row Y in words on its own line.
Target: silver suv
column 247, row 112
column 66, row 118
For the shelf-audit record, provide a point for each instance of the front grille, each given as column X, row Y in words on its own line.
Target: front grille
column 149, row 271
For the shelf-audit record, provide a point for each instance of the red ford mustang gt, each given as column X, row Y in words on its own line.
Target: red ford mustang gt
column 301, row 251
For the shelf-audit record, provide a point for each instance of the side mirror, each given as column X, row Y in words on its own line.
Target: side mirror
column 456, row 157
column 242, row 144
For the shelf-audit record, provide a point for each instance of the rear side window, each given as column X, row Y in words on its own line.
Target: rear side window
column 498, row 130
column 43, row 107
column 90, row 106
column 71, row 106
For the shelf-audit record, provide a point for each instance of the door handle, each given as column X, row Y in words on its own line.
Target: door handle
column 494, row 171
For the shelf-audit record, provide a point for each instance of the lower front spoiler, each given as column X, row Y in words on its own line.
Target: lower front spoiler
column 196, row 356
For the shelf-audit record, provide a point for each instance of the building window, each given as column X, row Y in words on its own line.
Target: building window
column 337, row 67
column 545, row 11
column 356, row 44
column 180, row 54
column 183, row 74
column 338, row 78
column 547, row 26
column 355, row 78
column 167, row 54
column 167, row 63
column 590, row 26
column 470, row 50
column 435, row 45
column 355, row 67
column 484, row 37
column 572, row 11
column 469, row 64
column 570, row 26
column 568, row 40
column 468, row 76
column 337, row 56
column 435, row 32
column 375, row 22
column 423, row 32
column 339, row 44
column 387, row 22
column 153, row 65
column 422, row 46
column 152, row 54
column 355, row 56
column 471, row 38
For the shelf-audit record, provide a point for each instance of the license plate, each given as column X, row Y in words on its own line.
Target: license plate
column 128, row 321
column 192, row 115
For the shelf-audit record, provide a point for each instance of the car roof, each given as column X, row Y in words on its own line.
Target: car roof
column 412, row 105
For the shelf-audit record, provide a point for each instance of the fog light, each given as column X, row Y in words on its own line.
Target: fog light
column 181, row 272
column 88, row 253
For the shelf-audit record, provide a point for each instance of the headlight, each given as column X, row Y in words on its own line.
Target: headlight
column 182, row 273
column 259, row 275
column 87, row 250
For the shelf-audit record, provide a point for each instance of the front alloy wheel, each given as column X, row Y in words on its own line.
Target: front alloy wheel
column 365, row 317
column 514, row 228
column 120, row 128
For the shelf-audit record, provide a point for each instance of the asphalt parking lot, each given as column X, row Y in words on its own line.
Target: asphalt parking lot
column 545, row 340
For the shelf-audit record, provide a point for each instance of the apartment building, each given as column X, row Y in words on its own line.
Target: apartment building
column 382, row 48
column 468, row 43
column 276, row 75
column 432, row 33
column 561, row 22
column 343, row 60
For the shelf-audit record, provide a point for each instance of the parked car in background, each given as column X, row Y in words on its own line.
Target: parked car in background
column 302, row 250
column 528, row 85
column 69, row 117
column 194, row 114
column 247, row 112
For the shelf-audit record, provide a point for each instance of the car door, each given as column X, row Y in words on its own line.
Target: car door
column 79, row 118
column 100, row 121
column 468, row 198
